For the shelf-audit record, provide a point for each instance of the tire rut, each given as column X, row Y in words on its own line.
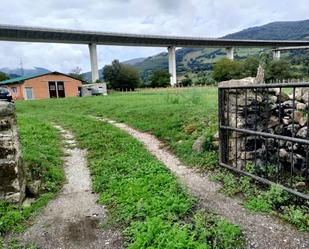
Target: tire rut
column 261, row 231
column 73, row 219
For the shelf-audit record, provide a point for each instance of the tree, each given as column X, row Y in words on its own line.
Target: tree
column 278, row 70
column 3, row 76
column 77, row 73
column 186, row 81
column 160, row 78
column 226, row 69
column 250, row 66
column 121, row 76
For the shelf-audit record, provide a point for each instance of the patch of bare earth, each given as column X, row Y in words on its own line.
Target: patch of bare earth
column 73, row 220
column 261, row 231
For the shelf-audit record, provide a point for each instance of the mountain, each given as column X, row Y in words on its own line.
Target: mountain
column 194, row 60
column 295, row 30
column 133, row 62
column 16, row 72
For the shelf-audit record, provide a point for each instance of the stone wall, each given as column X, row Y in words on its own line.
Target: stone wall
column 12, row 175
column 266, row 111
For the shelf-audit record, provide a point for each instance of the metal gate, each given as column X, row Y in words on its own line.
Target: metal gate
column 264, row 133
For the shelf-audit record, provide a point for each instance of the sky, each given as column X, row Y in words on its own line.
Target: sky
column 203, row 18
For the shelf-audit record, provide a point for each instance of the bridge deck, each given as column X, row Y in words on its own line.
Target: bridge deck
column 51, row 35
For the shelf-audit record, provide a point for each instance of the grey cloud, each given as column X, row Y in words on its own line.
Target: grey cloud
column 208, row 18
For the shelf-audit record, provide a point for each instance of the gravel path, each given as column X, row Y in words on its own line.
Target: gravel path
column 73, row 219
column 261, row 231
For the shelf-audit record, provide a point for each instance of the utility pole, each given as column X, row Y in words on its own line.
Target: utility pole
column 21, row 67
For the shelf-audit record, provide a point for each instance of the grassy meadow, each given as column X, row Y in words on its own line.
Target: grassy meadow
column 157, row 211
column 144, row 199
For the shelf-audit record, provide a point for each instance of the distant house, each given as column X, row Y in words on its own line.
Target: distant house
column 43, row 86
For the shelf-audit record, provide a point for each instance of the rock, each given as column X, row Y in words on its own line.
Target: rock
column 247, row 155
column 301, row 106
column 278, row 129
column 215, row 141
column 298, row 117
column 215, row 144
column 289, row 131
column 283, row 154
column 305, row 97
column 6, row 108
column 4, row 124
column 199, row 144
column 288, row 104
column 14, row 197
column 216, row 136
column 273, row 121
column 241, row 100
column 299, row 93
column 287, row 120
column 34, row 187
column 302, row 94
column 300, row 185
column 273, row 99
column 302, row 133
column 289, row 145
column 268, row 144
column 303, row 121
column 299, row 163
column 27, row 202
column 259, row 79
column 282, row 143
column 283, row 96
column 12, row 171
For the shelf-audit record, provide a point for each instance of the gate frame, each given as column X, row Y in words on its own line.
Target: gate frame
column 224, row 128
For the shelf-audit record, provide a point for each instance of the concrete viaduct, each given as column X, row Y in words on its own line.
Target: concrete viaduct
column 277, row 51
column 93, row 38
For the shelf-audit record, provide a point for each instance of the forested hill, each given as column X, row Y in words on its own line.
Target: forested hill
column 194, row 60
column 293, row 30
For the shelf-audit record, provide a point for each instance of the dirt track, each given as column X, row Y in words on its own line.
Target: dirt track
column 261, row 231
column 73, row 219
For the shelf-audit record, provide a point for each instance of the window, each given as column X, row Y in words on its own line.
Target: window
column 60, row 86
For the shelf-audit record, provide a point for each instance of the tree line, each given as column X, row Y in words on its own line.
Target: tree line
column 225, row 69
column 123, row 77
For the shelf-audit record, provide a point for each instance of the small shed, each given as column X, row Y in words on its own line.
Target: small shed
column 43, row 86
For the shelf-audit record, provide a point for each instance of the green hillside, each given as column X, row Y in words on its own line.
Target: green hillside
column 297, row 30
column 196, row 61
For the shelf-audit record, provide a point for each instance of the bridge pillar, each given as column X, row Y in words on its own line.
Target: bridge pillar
column 230, row 53
column 276, row 55
column 94, row 62
column 172, row 65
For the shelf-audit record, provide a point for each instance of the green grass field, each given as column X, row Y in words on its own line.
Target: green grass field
column 158, row 209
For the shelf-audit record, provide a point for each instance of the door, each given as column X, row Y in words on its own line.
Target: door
column 29, row 95
column 52, row 89
column 60, row 88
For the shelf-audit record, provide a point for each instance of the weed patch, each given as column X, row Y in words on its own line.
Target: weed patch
column 42, row 153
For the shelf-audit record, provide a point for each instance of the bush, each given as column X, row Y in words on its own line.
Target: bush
column 187, row 81
column 278, row 70
column 226, row 69
column 160, row 78
column 297, row 216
